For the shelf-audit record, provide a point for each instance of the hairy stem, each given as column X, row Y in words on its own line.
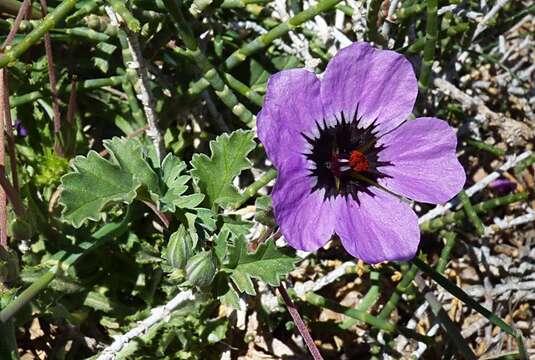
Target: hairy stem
column 301, row 326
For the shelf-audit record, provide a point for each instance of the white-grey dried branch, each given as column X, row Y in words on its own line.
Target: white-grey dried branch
column 513, row 131
column 142, row 87
column 161, row 313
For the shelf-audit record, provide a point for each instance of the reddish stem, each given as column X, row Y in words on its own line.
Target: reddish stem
column 8, row 123
column 301, row 326
column 53, row 83
column 3, row 197
column 20, row 16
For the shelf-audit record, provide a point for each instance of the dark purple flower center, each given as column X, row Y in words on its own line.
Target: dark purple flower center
column 345, row 157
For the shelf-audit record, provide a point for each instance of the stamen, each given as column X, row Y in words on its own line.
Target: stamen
column 358, row 161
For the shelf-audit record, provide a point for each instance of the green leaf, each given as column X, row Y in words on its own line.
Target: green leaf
column 94, row 183
column 128, row 153
column 172, row 168
column 268, row 263
column 215, row 174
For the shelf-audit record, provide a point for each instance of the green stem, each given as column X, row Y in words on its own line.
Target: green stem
column 210, row 73
column 282, row 29
column 445, row 253
column 471, row 213
column 320, row 301
column 86, row 8
column 265, row 40
column 252, row 189
column 464, row 297
column 8, row 341
column 524, row 164
column 367, row 301
column 486, row 147
column 401, row 288
column 431, row 37
column 232, row 4
column 86, row 85
column 408, row 11
column 59, row 13
column 120, row 8
column 481, row 208
column 372, row 18
column 243, row 89
column 27, row 295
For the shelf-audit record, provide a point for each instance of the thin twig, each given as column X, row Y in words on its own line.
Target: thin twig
column 161, row 313
column 303, row 330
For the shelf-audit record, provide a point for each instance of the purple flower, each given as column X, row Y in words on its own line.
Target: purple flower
column 345, row 154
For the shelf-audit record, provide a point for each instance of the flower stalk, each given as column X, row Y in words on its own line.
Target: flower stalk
column 301, row 326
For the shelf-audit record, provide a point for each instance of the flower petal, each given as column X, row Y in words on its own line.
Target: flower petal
column 292, row 106
column 379, row 227
column 380, row 82
column 424, row 166
column 305, row 219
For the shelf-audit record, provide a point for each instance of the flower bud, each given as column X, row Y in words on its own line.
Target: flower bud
column 201, row 269
column 179, row 248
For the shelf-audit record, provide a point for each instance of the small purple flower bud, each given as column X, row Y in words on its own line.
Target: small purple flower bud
column 21, row 130
column 503, row 186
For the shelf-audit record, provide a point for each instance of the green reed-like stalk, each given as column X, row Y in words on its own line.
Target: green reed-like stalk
column 59, row 13
column 450, row 238
column 120, row 8
column 411, row 10
column 481, row 208
column 401, row 288
column 431, row 38
column 85, row 85
column 376, row 322
column 252, row 189
column 211, row 75
column 367, row 300
column 524, row 164
column 265, row 40
column 471, row 213
column 486, row 147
